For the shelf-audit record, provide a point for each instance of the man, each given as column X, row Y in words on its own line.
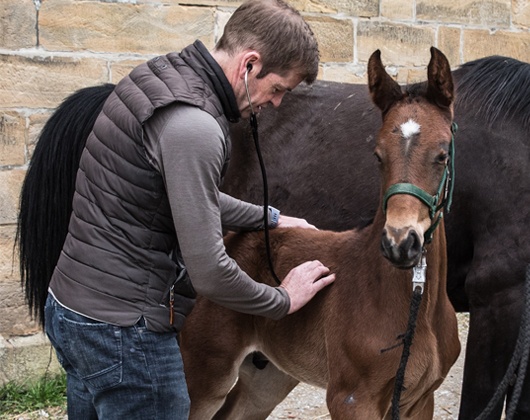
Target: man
column 147, row 203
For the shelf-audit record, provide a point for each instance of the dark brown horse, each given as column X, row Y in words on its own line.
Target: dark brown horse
column 338, row 340
column 318, row 147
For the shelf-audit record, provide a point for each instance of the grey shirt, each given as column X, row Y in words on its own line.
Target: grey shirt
column 186, row 145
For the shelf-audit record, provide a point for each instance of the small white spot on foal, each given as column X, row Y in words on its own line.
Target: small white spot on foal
column 349, row 399
column 410, row 128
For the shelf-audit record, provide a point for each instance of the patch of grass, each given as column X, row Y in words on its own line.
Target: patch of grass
column 48, row 391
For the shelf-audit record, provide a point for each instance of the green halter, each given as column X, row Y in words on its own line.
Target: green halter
column 433, row 202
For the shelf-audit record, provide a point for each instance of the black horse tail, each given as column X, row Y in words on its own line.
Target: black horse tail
column 48, row 189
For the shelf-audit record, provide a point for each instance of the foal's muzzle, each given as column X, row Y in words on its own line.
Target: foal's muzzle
column 402, row 247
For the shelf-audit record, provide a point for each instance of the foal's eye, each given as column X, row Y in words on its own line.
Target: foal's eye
column 442, row 158
column 378, row 157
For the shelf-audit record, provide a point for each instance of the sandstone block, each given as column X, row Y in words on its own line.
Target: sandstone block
column 397, row 9
column 217, row 3
column 17, row 24
column 470, row 12
column 348, row 73
column 399, row 44
column 410, row 76
column 43, row 82
column 11, row 182
column 36, row 124
column 15, row 319
column 335, row 38
column 26, row 358
column 120, row 28
column 221, row 18
column 521, row 13
column 479, row 44
column 12, row 139
column 9, row 262
column 120, row 69
column 449, row 44
column 361, row 8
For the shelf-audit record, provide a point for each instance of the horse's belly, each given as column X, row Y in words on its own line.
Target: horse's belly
column 308, row 373
column 304, row 359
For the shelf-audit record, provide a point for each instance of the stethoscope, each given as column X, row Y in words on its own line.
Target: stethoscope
column 254, row 129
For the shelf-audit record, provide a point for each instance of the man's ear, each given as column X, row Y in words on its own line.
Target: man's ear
column 250, row 62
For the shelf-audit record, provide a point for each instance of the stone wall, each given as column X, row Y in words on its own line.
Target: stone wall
column 50, row 48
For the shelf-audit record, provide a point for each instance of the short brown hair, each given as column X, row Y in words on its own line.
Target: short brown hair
column 278, row 32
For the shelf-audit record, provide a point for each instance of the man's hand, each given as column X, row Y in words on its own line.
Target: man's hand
column 289, row 222
column 303, row 282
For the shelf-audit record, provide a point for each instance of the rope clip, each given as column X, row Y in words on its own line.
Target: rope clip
column 418, row 275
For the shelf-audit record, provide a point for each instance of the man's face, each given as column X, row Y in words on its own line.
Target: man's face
column 267, row 90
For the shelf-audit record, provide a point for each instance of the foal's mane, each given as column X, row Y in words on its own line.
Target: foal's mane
column 495, row 88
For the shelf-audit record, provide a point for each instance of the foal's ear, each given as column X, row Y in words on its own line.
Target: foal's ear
column 440, row 88
column 384, row 90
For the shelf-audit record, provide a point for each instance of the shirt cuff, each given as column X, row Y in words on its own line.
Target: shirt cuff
column 274, row 217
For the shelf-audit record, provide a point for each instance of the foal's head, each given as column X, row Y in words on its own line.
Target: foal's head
column 413, row 148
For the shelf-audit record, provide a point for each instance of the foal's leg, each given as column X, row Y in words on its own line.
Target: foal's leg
column 214, row 343
column 256, row 393
column 345, row 406
column 427, row 412
column 422, row 410
column 209, row 378
column 360, row 401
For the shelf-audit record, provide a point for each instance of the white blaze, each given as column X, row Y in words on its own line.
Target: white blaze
column 410, row 128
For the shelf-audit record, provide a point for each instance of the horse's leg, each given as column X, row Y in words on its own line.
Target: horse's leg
column 487, row 362
column 495, row 312
column 347, row 405
column 346, row 401
column 213, row 346
column 256, row 393
column 423, row 410
column 209, row 377
column 523, row 407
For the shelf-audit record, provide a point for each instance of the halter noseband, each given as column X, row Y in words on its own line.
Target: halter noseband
column 433, row 202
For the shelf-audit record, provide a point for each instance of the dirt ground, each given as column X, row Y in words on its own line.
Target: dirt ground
column 306, row 402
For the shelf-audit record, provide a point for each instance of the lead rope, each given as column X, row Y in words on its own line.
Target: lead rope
column 254, row 127
column 418, row 284
column 520, row 358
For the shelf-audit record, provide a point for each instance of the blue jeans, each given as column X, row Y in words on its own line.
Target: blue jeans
column 117, row 372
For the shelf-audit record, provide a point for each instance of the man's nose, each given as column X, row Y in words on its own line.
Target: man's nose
column 277, row 100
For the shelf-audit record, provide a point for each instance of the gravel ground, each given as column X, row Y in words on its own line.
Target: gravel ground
column 306, row 402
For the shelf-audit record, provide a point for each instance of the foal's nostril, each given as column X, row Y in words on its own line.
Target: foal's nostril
column 413, row 245
column 386, row 245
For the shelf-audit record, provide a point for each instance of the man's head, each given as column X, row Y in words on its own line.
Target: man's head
column 276, row 31
column 266, row 50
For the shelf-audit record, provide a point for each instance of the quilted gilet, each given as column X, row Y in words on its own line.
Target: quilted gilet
column 116, row 263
